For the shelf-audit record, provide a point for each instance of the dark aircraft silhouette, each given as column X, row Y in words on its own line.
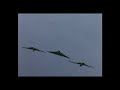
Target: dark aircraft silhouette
column 81, row 64
column 58, row 53
column 33, row 48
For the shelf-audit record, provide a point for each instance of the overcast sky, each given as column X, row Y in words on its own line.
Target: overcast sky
column 78, row 36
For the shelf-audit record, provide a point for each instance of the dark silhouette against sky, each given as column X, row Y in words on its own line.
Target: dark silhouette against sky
column 58, row 53
column 81, row 64
column 33, row 48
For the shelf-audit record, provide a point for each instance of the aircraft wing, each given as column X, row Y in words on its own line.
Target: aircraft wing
column 73, row 62
column 28, row 47
column 59, row 54
column 89, row 66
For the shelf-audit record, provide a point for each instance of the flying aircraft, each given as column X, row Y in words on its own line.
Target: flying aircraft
column 33, row 48
column 58, row 53
column 81, row 64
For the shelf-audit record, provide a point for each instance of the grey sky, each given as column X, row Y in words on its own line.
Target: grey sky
column 76, row 35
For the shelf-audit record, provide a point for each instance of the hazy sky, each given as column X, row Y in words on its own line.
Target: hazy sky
column 78, row 36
